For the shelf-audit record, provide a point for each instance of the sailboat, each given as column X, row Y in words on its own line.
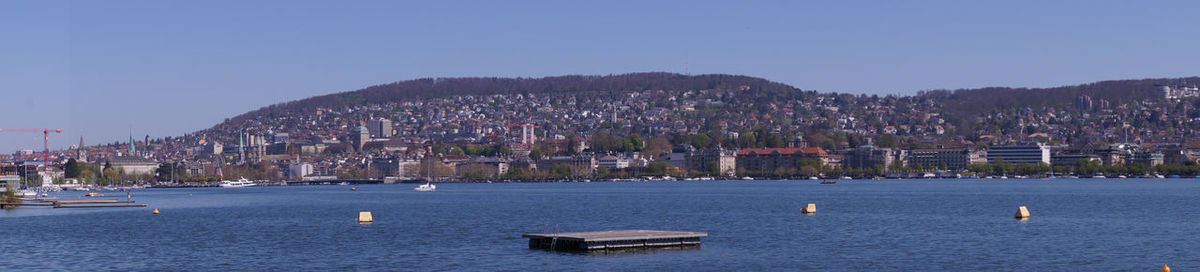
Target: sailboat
column 428, row 186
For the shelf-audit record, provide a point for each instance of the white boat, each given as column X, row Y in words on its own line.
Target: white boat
column 425, row 187
column 241, row 182
column 27, row 193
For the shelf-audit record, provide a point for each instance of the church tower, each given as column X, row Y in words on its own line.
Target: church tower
column 81, row 151
column 132, row 148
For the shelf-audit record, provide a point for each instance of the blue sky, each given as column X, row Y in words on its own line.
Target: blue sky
column 100, row 69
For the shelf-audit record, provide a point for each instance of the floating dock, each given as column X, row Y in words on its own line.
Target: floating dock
column 613, row 239
column 102, row 206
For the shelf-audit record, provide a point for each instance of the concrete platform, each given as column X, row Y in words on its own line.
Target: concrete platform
column 614, row 239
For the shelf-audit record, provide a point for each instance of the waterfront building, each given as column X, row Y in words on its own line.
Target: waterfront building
column 699, row 160
column 771, row 159
column 1072, row 160
column 133, row 165
column 581, row 165
column 1147, row 159
column 613, row 162
column 297, row 171
column 482, row 167
column 868, row 156
column 944, row 158
column 6, row 180
column 1032, row 153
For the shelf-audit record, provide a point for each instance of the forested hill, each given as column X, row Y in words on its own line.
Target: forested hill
column 972, row 102
column 440, row 87
column 961, row 104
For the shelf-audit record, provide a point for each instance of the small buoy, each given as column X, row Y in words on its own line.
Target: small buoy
column 354, row 188
column 810, row 209
column 1166, row 268
column 155, row 211
column 189, row 194
column 365, row 217
column 1022, row 213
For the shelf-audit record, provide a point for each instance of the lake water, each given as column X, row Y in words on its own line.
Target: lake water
column 1076, row 225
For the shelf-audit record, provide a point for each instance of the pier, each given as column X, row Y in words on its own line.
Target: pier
column 613, row 239
column 75, row 203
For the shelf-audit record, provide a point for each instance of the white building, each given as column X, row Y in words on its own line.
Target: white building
column 613, row 162
column 298, row 171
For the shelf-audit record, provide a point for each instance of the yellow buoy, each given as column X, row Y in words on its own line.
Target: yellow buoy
column 1166, row 268
column 365, row 217
column 810, row 209
column 1022, row 213
column 155, row 211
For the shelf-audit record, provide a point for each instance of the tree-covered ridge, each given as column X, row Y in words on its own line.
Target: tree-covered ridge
column 443, row 87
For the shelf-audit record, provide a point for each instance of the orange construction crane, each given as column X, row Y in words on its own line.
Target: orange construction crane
column 45, row 141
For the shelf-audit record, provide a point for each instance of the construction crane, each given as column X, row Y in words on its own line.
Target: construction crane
column 45, row 141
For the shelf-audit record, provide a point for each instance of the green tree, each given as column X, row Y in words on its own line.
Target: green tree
column 657, row 168
column 561, row 170
column 110, row 176
column 71, row 170
column 516, row 173
column 602, row 172
column 712, row 168
column 701, row 140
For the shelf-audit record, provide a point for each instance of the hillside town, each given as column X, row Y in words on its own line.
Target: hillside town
column 733, row 132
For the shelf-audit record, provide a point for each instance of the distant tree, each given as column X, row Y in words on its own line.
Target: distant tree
column 561, row 170
column 516, row 173
column 887, row 140
column 602, row 172
column 712, row 168
column 701, row 140
column 110, row 176
column 657, row 168
column 71, row 169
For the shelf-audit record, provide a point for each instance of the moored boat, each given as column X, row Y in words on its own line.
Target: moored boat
column 239, row 183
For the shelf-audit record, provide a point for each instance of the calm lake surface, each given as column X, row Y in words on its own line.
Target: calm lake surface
column 1076, row 225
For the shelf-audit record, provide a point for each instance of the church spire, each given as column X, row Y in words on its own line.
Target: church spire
column 81, row 152
column 132, row 149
